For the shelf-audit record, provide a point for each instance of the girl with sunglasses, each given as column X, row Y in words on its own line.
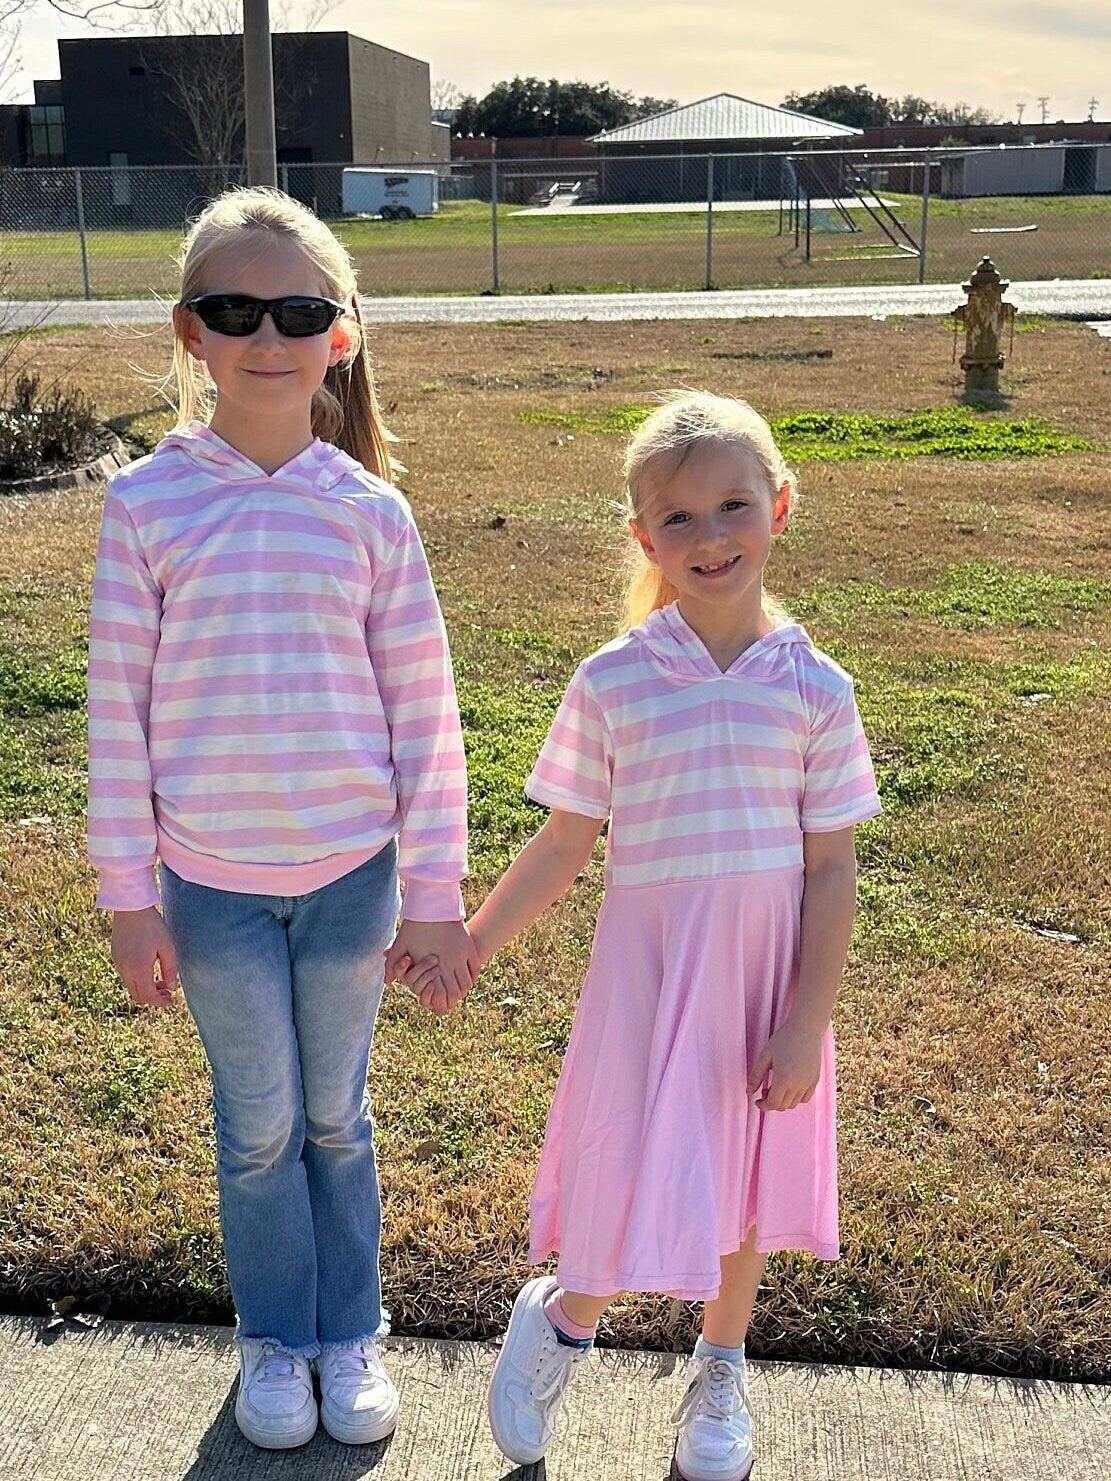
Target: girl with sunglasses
column 272, row 719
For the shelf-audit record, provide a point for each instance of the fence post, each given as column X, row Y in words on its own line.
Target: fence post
column 808, row 228
column 709, row 222
column 925, row 220
column 81, row 232
column 495, row 283
column 283, row 170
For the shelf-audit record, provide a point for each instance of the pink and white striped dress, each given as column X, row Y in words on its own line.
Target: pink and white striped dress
column 655, row 1161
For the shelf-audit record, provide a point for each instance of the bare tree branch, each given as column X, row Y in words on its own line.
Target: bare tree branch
column 445, row 94
column 204, row 76
column 10, row 59
column 95, row 12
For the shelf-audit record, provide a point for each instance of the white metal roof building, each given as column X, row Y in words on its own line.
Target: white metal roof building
column 743, row 137
column 724, row 118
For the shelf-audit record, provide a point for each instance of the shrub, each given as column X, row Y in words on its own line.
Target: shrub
column 42, row 429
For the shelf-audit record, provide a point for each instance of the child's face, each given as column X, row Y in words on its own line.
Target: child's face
column 708, row 523
column 266, row 374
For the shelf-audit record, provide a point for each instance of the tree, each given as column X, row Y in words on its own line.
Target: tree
column 105, row 13
column 860, row 108
column 912, row 110
column 529, row 108
column 445, row 95
column 857, row 107
column 203, row 76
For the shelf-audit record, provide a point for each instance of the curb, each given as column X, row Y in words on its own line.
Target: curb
column 118, row 456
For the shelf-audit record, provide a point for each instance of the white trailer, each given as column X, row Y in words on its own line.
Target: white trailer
column 395, row 195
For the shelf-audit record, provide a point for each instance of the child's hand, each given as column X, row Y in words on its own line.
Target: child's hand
column 444, row 948
column 785, row 1072
column 140, row 943
column 426, row 982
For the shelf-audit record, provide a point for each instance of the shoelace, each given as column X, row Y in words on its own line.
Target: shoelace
column 277, row 1370
column 716, row 1391
column 352, row 1363
column 553, row 1373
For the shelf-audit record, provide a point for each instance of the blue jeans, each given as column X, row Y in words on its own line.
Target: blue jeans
column 284, row 992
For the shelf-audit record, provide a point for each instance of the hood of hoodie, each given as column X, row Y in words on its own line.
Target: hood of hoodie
column 318, row 466
column 677, row 650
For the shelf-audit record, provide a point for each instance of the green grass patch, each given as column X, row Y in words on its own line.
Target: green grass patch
column 972, row 594
column 41, row 773
column 28, row 689
column 896, row 924
column 42, row 735
column 121, row 1093
column 504, row 726
column 1088, row 672
column 833, row 437
column 1005, row 208
column 926, row 743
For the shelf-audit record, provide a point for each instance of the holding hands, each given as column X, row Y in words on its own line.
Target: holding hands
column 437, row 960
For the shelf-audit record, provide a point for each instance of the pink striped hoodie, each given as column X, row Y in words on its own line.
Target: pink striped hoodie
column 270, row 689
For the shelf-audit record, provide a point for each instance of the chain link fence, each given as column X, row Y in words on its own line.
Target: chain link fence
column 600, row 223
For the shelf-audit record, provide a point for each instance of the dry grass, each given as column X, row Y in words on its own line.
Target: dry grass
column 974, row 1027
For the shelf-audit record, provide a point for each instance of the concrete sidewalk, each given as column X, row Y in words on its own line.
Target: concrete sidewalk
column 143, row 1402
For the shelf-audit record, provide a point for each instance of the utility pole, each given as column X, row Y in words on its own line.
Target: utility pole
column 1021, row 109
column 1093, row 104
column 1043, row 104
column 258, row 84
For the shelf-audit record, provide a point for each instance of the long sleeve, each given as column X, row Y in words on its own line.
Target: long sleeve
column 408, row 649
column 123, row 641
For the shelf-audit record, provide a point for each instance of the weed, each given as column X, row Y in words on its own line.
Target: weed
column 28, row 689
column 831, row 437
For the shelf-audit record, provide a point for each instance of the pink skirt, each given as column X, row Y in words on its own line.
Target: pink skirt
column 656, row 1161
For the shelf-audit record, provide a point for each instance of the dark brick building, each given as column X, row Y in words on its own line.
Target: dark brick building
column 122, row 102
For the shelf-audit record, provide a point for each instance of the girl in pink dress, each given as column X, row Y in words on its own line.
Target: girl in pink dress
column 692, row 1129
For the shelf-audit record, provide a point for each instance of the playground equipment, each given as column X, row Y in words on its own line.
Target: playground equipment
column 829, row 192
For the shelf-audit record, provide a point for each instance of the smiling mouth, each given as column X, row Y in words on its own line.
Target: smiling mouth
column 719, row 566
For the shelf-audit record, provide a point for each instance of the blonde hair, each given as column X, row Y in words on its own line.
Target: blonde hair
column 685, row 421
column 345, row 409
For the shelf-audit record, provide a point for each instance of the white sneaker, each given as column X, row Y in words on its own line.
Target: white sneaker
column 715, row 1427
column 274, row 1407
column 358, row 1402
column 530, row 1377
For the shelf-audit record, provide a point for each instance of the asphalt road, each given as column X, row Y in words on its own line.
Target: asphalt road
column 1082, row 298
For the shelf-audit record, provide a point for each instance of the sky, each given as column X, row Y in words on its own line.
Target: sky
column 993, row 54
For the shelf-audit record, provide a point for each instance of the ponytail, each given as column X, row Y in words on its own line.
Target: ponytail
column 345, row 410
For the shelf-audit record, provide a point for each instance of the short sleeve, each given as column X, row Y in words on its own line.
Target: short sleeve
column 840, row 785
column 574, row 769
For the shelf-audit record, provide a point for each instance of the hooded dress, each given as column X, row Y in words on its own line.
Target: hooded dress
column 656, row 1162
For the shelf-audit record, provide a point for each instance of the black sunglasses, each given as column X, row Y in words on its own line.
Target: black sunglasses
column 238, row 314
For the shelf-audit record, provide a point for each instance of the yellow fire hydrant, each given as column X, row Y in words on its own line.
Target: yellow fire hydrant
column 984, row 316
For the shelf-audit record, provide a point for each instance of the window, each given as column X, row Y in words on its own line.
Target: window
column 121, row 180
column 46, row 135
